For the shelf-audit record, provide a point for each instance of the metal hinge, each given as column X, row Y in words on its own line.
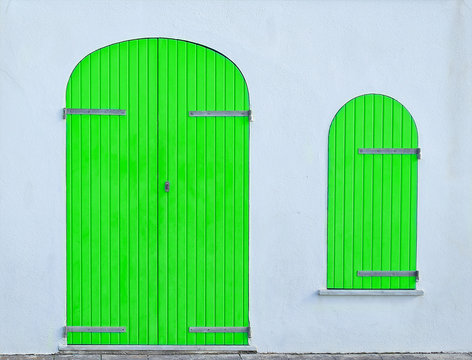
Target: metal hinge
column 67, row 111
column 219, row 329
column 414, row 273
column 391, row 151
column 221, row 113
column 95, row 329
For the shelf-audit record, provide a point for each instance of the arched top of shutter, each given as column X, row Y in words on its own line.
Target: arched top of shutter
column 371, row 102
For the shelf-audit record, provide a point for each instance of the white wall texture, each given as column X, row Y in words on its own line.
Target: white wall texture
column 302, row 60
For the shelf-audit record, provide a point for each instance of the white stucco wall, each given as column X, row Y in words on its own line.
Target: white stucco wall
column 302, row 60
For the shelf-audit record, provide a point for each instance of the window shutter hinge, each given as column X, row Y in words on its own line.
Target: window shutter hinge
column 414, row 273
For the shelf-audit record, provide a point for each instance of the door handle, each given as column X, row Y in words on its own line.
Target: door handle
column 167, row 186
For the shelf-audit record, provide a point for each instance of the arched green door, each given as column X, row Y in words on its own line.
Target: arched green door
column 372, row 195
column 157, row 199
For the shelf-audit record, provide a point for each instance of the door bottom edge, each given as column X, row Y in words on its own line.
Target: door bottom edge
column 159, row 349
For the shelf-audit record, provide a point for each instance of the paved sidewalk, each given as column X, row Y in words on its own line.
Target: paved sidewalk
column 416, row 356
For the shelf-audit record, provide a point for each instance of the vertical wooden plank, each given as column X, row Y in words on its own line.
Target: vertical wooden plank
column 220, row 199
column 71, row 270
column 75, row 207
column 358, row 189
column 331, row 249
column 339, row 199
column 348, row 205
column 134, row 121
column 200, row 196
column 181, row 101
column 377, row 191
column 110, row 85
column 413, row 203
column 368, row 165
column 396, row 193
column 142, row 190
column 124, row 191
column 94, row 178
column 191, row 192
column 246, row 217
column 229, row 173
column 239, row 240
column 85, row 201
column 172, row 195
column 152, row 165
column 210, row 212
column 386, row 191
column 103, row 179
column 405, row 221
column 163, row 201
column 69, row 242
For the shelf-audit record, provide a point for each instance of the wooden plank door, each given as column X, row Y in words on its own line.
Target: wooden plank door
column 139, row 256
column 203, row 244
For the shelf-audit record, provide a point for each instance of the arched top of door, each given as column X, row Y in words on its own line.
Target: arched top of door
column 238, row 72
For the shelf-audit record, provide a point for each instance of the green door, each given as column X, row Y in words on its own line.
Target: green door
column 157, row 200
column 372, row 195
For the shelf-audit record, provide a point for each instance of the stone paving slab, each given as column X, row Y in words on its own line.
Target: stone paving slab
column 288, row 357
column 310, row 357
column 75, row 357
column 29, row 357
column 357, row 357
column 194, row 357
column 242, row 356
column 124, row 357
column 264, row 356
column 404, row 356
column 457, row 356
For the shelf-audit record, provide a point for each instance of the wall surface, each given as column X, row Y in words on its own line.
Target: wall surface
column 302, row 60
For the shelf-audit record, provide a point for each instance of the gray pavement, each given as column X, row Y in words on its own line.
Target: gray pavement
column 415, row 356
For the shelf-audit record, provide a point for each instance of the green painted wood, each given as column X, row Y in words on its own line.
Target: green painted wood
column 372, row 199
column 157, row 262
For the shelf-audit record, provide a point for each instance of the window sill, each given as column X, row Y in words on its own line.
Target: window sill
column 339, row 292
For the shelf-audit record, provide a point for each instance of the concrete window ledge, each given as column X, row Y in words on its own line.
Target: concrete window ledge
column 156, row 349
column 332, row 292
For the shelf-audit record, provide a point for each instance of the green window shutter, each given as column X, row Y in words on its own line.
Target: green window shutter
column 154, row 261
column 372, row 198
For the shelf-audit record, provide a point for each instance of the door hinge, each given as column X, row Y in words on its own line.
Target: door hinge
column 69, row 111
column 95, row 329
column 221, row 113
column 219, row 329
